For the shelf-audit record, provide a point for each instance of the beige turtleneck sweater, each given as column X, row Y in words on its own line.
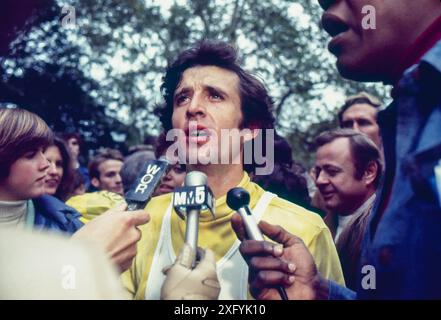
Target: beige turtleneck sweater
column 12, row 213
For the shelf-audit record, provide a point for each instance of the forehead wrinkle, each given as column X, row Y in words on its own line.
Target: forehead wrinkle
column 192, row 78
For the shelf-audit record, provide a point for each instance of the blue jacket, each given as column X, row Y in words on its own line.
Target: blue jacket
column 403, row 239
column 52, row 214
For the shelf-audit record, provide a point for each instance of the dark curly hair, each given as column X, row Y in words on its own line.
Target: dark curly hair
column 287, row 179
column 256, row 104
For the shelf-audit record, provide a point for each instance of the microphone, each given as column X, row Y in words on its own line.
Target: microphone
column 189, row 201
column 146, row 183
column 238, row 199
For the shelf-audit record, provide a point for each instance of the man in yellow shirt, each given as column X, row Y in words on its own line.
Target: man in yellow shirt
column 206, row 92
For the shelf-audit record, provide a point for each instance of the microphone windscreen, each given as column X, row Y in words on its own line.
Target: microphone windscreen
column 195, row 178
column 238, row 198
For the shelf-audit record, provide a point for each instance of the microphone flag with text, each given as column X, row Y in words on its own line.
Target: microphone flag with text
column 146, row 183
column 188, row 201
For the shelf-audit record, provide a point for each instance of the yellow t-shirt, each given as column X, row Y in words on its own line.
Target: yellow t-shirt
column 219, row 236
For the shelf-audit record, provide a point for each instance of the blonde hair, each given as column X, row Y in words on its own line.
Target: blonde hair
column 20, row 131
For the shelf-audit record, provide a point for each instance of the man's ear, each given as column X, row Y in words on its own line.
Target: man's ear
column 371, row 172
column 95, row 182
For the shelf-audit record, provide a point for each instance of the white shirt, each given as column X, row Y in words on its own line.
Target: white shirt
column 342, row 223
column 344, row 220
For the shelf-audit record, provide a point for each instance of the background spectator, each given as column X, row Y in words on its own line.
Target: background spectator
column 104, row 170
column 59, row 179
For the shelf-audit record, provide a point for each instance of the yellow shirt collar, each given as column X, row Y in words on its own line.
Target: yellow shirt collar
column 221, row 208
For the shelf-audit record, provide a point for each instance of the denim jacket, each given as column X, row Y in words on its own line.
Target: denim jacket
column 402, row 244
column 52, row 214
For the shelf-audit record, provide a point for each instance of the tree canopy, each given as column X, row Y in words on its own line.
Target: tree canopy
column 100, row 73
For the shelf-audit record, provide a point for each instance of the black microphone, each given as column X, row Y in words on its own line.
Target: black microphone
column 189, row 201
column 146, row 183
column 238, row 199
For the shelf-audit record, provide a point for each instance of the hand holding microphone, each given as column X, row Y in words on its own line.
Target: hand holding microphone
column 187, row 279
column 116, row 231
column 189, row 201
column 183, row 282
column 238, row 199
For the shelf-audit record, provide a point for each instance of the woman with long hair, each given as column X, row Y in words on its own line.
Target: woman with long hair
column 59, row 180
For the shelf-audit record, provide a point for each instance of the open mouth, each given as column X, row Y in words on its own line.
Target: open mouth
column 197, row 133
column 51, row 182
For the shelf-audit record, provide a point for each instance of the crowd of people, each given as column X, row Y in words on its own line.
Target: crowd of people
column 371, row 198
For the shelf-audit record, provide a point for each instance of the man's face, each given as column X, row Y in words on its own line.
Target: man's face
column 335, row 178
column 110, row 178
column 208, row 95
column 365, row 54
column 362, row 117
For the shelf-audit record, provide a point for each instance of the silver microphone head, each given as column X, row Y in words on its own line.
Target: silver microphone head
column 195, row 178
